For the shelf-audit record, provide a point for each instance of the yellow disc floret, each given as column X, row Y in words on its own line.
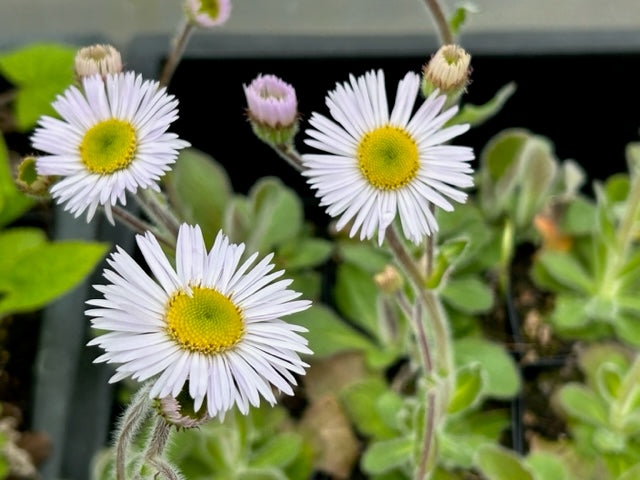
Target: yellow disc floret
column 210, row 7
column 108, row 146
column 205, row 322
column 388, row 157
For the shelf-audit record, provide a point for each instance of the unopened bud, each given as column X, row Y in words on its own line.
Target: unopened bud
column 272, row 109
column 29, row 181
column 98, row 60
column 448, row 71
column 207, row 13
column 389, row 280
column 179, row 411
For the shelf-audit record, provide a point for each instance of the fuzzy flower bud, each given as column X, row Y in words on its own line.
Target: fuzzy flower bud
column 179, row 413
column 272, row 109
column 207, row 13
column 97, row 59
column 389, row 280
column 448, row 71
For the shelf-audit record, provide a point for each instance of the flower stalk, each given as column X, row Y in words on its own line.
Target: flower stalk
column 179, row 45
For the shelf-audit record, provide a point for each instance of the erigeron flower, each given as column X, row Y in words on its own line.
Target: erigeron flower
column 211, row 325
column 272, row 109
column 112, row 138
column 378, row 166
column 448, row 71
column 208, row 13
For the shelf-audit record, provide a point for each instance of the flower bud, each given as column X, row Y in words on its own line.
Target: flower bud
column 180, row 413
column 448, row 71
column 97, row 60
column 29, row 181
column 389, row 280
column 207, row 13
column 272, row 109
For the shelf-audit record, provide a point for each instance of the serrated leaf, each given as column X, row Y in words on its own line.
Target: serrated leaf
column 503, row 379
column 199, row 189
column 498, row 463
column 386, row 455
column 278, row 452
column 45, row 272
column 355, row 295
column 469, row 386
column 40, row 71
column 564, row 268
column 579, row 402
column 468, row 295
column 478, row 114
column 359, row 402
column 328, row 334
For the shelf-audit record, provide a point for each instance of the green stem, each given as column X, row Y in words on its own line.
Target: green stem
column 140, row 226
column 446, row 37
column 427, row 457
column 288, row 152
column 158, row 211
column 179, row 44
column 131, row 422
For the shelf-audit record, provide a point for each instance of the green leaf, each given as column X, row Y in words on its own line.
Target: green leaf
column 498, row 463
column 627, row 327
column 276, row 215
column 14, row 242
column 355, row 295
column 45, row 272
column 261, row 474
column 608, row 380
column 478, row 114
column 579, row 217
column 279, row 452
column 502, row 379
column 237, row 219
column 449, row 253
column 305, row 253
column 328, row 334
column 546, row 466
column 364, row 256
column 459, row 17
column 631, row 474
column 386, row 455
column 199, row 188
column 309, row 283
column 569, row 313
column 606, row 440
column 468, row 295
column 13, row 203
column 565, row 269
column 581, row 403
column 632, row 154
column 359, row 401
column 40, row 71
column 469, row 386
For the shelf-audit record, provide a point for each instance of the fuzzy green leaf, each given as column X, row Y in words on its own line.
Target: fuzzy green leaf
column 546, row 466
column 608, row 380
column 359, row 401
column 581, row 403
column 45, row 272
column 498, row 463
column 279, row 451
column 364, row 256
column 565, row 269
column 569, row 313
column 305, row 253
column 502, row 379
column 627, row 327
column 40, row 72
column 386, row 455
column 355, row 295
column 468, row 295
column 469, row 386
column 579, row 217
column 478, row 114
column 199, row 188
column 328, row 334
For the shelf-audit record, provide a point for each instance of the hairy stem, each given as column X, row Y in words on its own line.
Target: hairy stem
column 446, row 37
column 137, row 225
column 158, row 210
column 179, row 44
column 425, row 465
column 290, row 155
column 131, row 422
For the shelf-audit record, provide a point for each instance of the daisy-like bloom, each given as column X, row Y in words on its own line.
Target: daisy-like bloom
column 447, row 71
column 377, row 165
column 211, row 322
column 272, row 109
column 208, row 13
column 112, row 138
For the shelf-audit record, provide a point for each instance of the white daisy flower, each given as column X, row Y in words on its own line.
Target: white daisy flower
column 112, row 138
column 209, row 322
column 377, row 165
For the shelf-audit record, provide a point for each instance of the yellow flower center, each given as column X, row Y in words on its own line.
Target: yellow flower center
column 388, row 157
column 108, row 146
column 205, row 322
column 210, row 7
